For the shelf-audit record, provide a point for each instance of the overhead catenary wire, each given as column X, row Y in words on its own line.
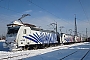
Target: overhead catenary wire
column 84, row 11
column 39, row 7
column 7, row 8
column 42, row 8
column 1, row 0
column 8, row 3
column 47, row 11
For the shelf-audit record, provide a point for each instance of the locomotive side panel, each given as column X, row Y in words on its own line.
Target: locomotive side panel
column 23, row 31
column 41, row 37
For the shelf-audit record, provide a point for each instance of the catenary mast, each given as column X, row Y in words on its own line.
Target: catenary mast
column 75, row 27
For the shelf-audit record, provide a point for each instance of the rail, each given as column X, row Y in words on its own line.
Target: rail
column 82, row 58
column 68, row 55
column 85, row 54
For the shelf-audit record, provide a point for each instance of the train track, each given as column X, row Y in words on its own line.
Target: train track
column 68, row 55
column 11, row 56
column 85, row 54
column 8, row 56
column 82, row 58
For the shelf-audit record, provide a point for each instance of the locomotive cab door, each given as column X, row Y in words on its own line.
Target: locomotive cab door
column 27, row 32
column 24, row 31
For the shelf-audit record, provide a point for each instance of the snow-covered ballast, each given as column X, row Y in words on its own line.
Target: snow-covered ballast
column 23, row 35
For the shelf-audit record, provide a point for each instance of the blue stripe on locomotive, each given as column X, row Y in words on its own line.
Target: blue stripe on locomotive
column 42, row 37
column 67, row 39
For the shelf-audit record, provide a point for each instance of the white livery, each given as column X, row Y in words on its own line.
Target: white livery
column 22, row 35
column 66, row 38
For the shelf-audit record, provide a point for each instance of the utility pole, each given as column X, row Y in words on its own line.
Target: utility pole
column 75, row 27
column 61, row 28
column 55, row 24
column 70, row 31
column 56, row 27
column 86, row 35
column 61, row 34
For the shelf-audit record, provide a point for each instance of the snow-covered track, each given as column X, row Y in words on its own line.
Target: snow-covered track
column 78, row 51
column 19, row 54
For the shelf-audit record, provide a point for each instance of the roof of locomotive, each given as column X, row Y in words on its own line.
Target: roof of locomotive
column 33, row 27
column 17, row 23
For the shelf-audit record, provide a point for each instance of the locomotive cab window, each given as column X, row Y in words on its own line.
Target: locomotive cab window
column 24, row 32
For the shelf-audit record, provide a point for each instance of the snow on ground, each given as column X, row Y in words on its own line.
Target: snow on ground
column 54, row 53
column 2, row 40
column 59, row 52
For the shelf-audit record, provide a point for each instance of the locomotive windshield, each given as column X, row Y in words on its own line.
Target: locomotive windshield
column 13, row 30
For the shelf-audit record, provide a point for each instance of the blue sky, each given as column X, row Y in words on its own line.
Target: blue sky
column 44, row 12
